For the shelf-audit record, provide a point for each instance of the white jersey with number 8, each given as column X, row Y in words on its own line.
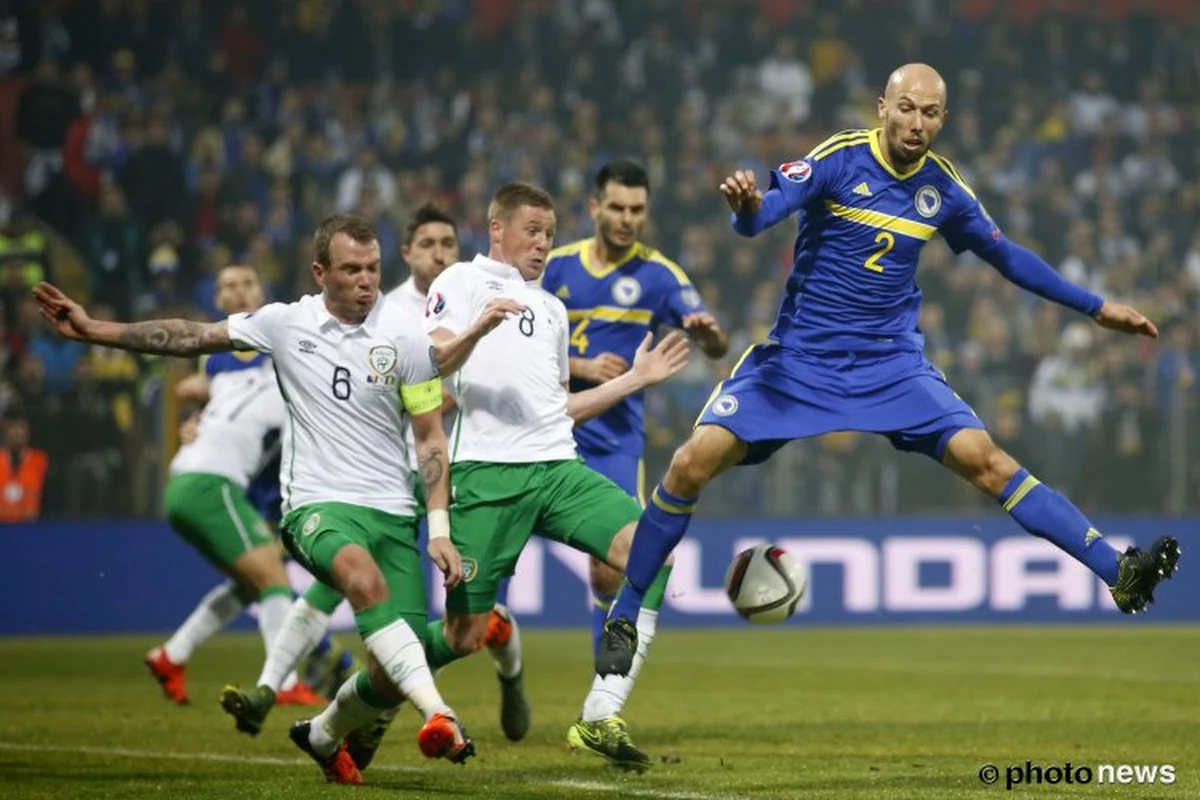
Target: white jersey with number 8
column 512, row 404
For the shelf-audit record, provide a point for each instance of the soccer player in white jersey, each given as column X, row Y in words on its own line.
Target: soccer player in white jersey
column 206, row 499
column 431, row 245
column 353, row 371
column 515, row 469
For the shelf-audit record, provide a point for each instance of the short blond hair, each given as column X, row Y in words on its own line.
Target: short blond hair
column 511, row 196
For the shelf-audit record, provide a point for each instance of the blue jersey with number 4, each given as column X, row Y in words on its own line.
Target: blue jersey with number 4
column 863, row 225
column 610, row 308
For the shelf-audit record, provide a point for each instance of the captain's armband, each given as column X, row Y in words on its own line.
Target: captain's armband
column 421, row 398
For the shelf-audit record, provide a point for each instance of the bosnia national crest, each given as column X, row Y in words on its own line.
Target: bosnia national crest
column 626, row 290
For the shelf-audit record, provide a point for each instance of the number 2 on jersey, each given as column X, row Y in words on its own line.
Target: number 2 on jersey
column 578, row 337
column 889, row 242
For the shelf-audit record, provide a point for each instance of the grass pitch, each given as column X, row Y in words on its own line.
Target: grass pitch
column 786, row 713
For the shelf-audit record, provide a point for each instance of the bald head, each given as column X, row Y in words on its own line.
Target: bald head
column 918, row 79
column 912, row 112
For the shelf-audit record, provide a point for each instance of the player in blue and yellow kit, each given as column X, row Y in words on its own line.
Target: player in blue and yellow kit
column 616, row 289
column 846, row 352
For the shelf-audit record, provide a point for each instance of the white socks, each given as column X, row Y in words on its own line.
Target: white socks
column 508, row 655
column 609, row 694
column 218, row 608
column 347, row 712
column 298, row 633
column 402, row 655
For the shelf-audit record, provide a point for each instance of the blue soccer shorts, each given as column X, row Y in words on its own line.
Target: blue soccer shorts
column 776, row 394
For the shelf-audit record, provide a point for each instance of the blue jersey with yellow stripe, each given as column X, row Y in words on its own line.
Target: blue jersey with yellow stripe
column 863, row 225
column 610, row 308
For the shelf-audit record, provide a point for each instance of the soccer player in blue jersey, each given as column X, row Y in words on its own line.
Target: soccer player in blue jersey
column 846, row 352
column 616, row 289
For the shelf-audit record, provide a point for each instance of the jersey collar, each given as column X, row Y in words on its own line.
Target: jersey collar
column 877, row 151
column 326, row 321
column 497, row 268
column 604, row 270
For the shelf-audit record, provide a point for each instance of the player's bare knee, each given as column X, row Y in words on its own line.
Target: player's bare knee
column 358, row 577
column 618, row 551
column 986, row 465
column 363, row 587
column 465, row 633
column 710, row 450
column 604, row 579
column 260, row 568
column 998, row 469
column 689, row 472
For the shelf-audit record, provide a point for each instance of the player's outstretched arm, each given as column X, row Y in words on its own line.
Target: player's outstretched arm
column 603, row 367
column 168, row 337
column 1126, row 319
column 650, row 366
column 704, row 328
column 1029, row 271
column 753, row 211
column 450, row 352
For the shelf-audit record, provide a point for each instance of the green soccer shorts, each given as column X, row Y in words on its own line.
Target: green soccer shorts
column 212, row 514
column 314, row 534
column 325, row 598
column 497, row 507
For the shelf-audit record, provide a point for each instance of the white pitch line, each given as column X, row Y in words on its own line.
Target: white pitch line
column 599, row 786
column 273, row 761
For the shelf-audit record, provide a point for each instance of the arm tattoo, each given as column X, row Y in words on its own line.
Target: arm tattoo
column 171, row 337
column 432, row 466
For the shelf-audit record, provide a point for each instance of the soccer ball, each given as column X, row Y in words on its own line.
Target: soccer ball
column 765, row 584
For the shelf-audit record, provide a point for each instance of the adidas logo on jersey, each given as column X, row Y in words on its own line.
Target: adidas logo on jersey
column 563, row 292
column 863, row 189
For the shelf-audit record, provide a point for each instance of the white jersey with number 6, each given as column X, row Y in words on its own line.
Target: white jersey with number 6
column 409, row 300
column 244, row 406
column 344, row 436
column 512, row 405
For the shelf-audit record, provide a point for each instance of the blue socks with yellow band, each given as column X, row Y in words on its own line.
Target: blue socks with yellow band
column 1048, row 514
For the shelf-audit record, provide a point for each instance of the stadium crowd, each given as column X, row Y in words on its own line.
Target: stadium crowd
column 165, row 139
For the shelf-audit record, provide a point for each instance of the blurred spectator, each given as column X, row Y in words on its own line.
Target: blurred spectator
column 59, row 358
column 366, row 174
column 1066, row 399
column 24, row 255
column 112, row 244
column 22, row 472
column 786, row 82
column 153, row 178
column 93, row 487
